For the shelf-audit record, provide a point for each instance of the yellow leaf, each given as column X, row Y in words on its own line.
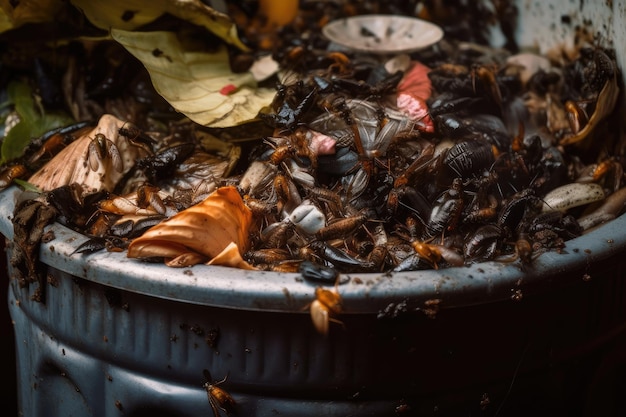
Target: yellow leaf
column 16, row 14
column 131, row 14
column 200, row 85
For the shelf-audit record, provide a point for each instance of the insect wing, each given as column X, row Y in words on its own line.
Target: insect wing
column 222, row 399
column 93, row 155
column 116, row 158
column 320, row 317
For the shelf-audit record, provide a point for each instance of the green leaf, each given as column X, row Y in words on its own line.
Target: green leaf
column 198, row 84
column 15, row 142
column 20, row 94
column 32, row 123
column 19, row 136
column 27, row 186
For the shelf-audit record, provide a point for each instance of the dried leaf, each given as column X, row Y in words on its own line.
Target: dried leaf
column 231, row 256
column 200, row 233
column 70, row 164
column 200, row 85
column 604, row 107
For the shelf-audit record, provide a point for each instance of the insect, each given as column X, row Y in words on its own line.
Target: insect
column 289, row 115
column 261, row 207
column 137, row 137
column 50, row 147
column 164, row 163
column 611, row 171
column 315, row 272
column 483, row 243
column 487, row 78
column 277, row 234
column 133, row 204
column 447, row 209
column 219, row 398
column 327, row 304
column 100, row 148
column 148, row 197
column 281, row 153
column 53, row 141
column 342, row 227
column 10, row 173
column 267, row 256
column 337, row 257
column 523, row 251
column 468, row 158
column 377, row 257
column 430, row 253
column 599, row 76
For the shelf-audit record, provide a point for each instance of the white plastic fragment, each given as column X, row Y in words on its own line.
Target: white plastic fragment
column 308, row 218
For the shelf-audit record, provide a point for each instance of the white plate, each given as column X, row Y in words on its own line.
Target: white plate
column 383, row 34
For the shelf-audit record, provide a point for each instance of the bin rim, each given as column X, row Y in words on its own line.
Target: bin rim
column 363, row 293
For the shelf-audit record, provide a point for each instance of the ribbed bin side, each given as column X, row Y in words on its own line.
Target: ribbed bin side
column 90, row 347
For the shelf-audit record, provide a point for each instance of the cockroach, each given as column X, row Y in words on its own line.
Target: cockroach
column 338, row 258
column 288, row 116
column 468, row 158
column 342, row 227
column 50, row 147
column 281, row 153
column 428, row 252
column 148, row 197
column 281, row 188
column 219, row 398
column 164, row 163
column 137, row 137
column 267, row 256
column 377, row 257
column 434, row 254
column 332, row 198
column 318, row 273
column 261, row 207
column 276, row 235
column 11, row 173
column 487, row 78
column 100, row 148
column 483, row 243
column 447, row 209
column 327, row 305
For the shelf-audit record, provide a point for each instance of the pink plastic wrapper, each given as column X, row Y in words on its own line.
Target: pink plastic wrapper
column 412, row 92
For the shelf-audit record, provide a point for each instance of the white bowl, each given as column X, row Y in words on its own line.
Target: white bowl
column 383, row 34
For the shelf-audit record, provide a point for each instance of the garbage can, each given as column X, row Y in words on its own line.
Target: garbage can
column 120, row 337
